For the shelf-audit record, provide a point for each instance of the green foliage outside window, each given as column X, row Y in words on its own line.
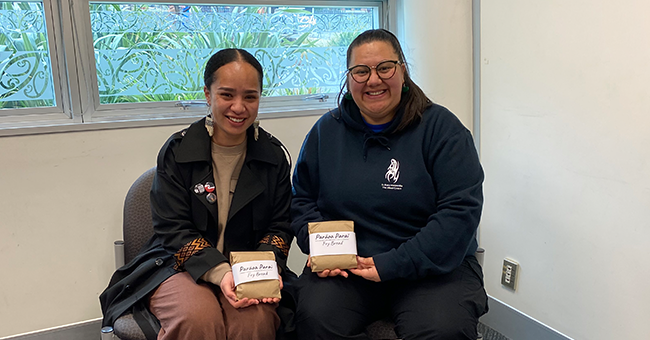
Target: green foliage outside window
column 25, row 73
column 152, row 52
column 157, row 52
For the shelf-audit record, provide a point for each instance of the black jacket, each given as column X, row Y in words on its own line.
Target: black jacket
column 185, row 223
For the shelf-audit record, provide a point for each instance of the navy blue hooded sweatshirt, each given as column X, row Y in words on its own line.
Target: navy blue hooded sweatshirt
column 415, row 196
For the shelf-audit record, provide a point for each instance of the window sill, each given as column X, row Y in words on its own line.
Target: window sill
column 55, row 123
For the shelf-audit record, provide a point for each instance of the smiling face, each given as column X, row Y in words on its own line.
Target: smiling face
column 377, row 99
column 234, row 99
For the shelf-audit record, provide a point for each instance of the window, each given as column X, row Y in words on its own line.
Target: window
column 110, row 62
column 26, row 79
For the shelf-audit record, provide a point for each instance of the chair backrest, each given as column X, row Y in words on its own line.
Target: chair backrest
column 137, row 224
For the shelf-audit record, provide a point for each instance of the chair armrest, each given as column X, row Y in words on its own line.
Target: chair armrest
column 480, row 254
column 119, row 253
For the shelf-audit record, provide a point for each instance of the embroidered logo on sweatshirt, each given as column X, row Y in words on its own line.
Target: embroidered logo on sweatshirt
column 392, row 175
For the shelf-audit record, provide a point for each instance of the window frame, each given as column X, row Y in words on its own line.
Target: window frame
column 77, row 95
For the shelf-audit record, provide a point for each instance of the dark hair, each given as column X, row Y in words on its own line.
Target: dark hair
column 413, row 101
column 226, row 56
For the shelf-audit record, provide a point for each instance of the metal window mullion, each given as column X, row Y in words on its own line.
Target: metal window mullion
column 68, row 60
column 57, row 56
column 76, row 50
column 86, row 59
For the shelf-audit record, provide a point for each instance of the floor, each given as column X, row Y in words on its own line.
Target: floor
column 489, row 333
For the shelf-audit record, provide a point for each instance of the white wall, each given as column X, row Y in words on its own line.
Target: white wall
column 61, row 199
column 565, row 141
column 436, row 36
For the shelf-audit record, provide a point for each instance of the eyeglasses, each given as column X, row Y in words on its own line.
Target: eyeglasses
column 385, row 70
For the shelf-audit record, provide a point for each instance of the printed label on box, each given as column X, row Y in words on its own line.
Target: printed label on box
column 254, row 271
column 333, row 243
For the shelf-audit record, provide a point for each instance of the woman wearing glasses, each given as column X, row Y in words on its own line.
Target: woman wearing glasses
column 406, row 171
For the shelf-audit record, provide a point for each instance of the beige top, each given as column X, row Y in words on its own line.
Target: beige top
column 227, row 162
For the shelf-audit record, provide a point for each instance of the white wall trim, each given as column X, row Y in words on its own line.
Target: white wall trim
column 517, row 325
column 84, row 330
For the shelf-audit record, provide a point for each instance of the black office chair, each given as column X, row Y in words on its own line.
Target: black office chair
column 138, row 228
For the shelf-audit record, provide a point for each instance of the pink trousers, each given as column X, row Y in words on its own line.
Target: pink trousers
column 190, row 310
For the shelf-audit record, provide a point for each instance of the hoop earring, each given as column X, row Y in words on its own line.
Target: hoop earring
column 256, row 129
column 209, row 122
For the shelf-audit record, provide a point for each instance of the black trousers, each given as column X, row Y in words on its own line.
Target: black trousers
column 437, row 307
